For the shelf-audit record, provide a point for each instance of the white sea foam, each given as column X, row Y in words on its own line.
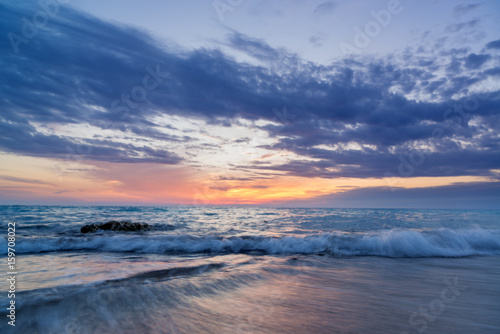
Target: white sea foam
column 392, row 243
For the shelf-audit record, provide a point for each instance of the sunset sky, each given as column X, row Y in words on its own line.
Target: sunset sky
column 360, row 103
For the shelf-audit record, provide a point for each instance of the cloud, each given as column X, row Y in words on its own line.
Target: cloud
column 479, row 195
column 22, row 138
column 355, row 116
column 278, row 60
column 324, row 8
column 462, row 9
column 317, row 40
column 475, row 61
column 24, row 180
column 375, row 164
column 456, row 27
column 493, row 44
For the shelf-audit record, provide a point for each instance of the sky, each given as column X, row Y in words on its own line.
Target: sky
column 297, row 103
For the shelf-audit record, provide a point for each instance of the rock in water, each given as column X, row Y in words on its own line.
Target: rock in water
column 114, row 225
column 89, row 228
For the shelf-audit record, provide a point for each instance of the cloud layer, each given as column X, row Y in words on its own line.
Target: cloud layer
column 418, row 112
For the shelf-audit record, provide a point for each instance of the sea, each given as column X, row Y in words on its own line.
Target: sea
column 250, row 270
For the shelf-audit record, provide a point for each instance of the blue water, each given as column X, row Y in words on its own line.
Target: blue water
column 260, row 270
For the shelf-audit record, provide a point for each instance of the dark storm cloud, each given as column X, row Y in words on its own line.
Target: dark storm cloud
column 78, row 69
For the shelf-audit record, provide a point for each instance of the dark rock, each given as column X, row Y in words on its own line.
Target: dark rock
column 89, row 228
column 114, row 225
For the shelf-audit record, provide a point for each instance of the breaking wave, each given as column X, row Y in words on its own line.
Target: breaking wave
column 388, row 243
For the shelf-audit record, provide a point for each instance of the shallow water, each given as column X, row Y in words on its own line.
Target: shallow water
column 256, row 270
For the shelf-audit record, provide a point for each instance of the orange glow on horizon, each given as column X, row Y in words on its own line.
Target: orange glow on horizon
column 154, row 184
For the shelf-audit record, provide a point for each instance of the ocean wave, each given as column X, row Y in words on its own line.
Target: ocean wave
column 388, row 243
column 108, row 306
column 162, row 274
